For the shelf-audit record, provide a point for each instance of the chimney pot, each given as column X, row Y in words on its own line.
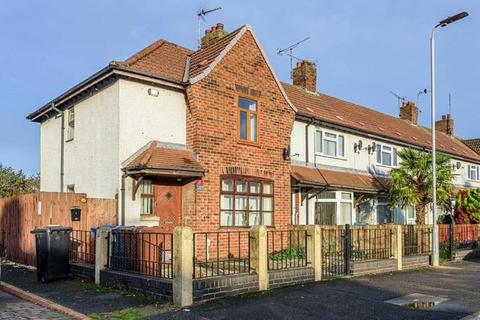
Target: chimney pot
column 305, row 75
column 409, row 112
column 213, row 34
column 220, row 26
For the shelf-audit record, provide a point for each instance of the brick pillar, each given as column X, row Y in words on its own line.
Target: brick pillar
column 314, row 250
column 398, row 245
column 102, row 246
column 182, row 266
column 259, row 255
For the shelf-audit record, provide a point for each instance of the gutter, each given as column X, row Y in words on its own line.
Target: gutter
column 367, row 134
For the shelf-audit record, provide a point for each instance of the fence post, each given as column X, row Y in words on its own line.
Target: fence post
column 398, row 246
column 314, row 250
column 451, row 239
column 347, row 249
column 259, row 255
column 182, row 266
column 102, row 246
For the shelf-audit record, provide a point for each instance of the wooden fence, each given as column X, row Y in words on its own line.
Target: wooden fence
column 19, row 215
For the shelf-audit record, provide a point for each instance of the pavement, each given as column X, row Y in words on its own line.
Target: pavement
column 456, row 284
column 13, row 308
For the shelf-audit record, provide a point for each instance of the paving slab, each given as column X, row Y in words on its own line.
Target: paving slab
column 13, row 308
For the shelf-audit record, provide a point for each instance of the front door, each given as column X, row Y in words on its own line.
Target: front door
column 168, row 205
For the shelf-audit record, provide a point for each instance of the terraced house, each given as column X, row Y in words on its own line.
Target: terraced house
column 213, row 140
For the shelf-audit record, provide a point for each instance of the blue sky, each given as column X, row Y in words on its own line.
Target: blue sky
column 363, row 50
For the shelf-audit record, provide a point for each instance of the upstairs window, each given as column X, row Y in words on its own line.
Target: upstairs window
column 473, row 172
column 245, row 201
column 70, row 124
column 329, row 144
column 247, row 118
column 386, row 155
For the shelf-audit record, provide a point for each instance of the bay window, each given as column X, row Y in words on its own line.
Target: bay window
column 329, row 143
column 245, row 201
column 386, row 155
column 334, row 207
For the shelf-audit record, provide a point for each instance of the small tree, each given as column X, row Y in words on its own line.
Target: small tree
column 13, row 182
column 411, row 183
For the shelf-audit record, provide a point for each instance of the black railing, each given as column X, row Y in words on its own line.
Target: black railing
column 334, row 255
column 148, row 253
column 287, row 249
column 82, row 247
column 417, row 240
column 370, row 243
column 221, row 253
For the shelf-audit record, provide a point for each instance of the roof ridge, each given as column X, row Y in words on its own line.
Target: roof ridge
column 150, row 49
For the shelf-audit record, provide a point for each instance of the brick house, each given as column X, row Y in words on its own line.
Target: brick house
column 212, row 139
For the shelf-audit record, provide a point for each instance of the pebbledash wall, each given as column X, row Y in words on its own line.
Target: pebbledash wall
column 212, row 122
column 115, row 118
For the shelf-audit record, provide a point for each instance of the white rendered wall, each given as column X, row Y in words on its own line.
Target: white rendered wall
column 50, row 145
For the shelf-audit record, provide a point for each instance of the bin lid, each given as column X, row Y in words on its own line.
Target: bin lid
column 52, row 229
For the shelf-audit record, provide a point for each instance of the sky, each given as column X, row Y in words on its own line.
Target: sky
column 363, row 50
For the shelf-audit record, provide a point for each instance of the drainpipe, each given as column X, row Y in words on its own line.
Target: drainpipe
column 122, row 192
column 62, row 145
column 306, row 161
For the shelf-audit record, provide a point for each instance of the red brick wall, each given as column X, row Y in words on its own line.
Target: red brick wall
column 212, row 131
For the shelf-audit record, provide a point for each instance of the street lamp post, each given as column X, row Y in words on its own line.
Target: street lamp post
column 443, row 23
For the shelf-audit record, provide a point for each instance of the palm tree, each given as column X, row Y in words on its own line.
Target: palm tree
column 411, row 183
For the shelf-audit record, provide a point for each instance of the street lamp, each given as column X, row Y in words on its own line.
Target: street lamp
column 443, row 23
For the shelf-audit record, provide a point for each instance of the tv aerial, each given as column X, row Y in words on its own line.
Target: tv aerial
column 288, row 51
column 201, row 13
column 400, row 99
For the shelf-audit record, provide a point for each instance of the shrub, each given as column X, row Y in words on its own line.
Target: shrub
column 468, row 207
column 289, row 253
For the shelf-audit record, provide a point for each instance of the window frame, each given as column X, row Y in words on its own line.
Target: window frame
column 147, row 196
column 383, row 201
column 248, row 125
column 476, row 170
column 392, row 154
column 234, row 193
column 339, row 200
column 323, row 136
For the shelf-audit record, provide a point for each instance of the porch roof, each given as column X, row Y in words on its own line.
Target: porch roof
column 330, row 179
column 163, row 159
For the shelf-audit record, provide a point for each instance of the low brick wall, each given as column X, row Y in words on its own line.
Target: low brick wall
column 220, row 287
column 360, row 268
column 415, row 262
column 83, row 270
column 149, row 286
column 466, row 254
column 290, row 277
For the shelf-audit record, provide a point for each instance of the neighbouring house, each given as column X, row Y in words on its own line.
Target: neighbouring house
column 211, row 139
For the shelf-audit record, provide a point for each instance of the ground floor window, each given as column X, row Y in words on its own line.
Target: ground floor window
column 384, row 211
column 246, row 201
column 147, row 197
column 333, row 207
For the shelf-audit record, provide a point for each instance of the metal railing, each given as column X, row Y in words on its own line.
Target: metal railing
column 148, row 253
column 367, row 243
column 221, row 253
column 287, row 249
column 335, row 259
column 82, row 247
column 417, row 240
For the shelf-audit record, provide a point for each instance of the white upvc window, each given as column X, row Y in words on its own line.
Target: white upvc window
column 329, row 143
column 70, row 124
column 473, row 172
column 384, row 211
column 387, row 156
column 334, row 207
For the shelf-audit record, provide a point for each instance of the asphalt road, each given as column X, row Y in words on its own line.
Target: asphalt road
column 356, row 298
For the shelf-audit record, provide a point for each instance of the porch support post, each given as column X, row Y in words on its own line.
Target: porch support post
column 398, row 246
column 314, row 250
column 102, row 246
column 259, row 255
column 182, row 266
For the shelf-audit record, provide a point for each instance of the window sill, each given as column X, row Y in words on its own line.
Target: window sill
column 149, row 217
column 331, row 157
column 385, row 166
column 249, row 143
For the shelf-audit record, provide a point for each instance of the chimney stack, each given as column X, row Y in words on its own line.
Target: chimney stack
column 213, row 34
column 445, row 125
column 305, row 75
column 409, row 112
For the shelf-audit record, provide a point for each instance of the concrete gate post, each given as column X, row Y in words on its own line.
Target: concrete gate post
column 398, row 246
column 102, row 246
column 259, row 255
column 314, row 250
column 182, row 266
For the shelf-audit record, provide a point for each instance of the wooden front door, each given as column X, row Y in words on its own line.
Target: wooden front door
column 168, row 205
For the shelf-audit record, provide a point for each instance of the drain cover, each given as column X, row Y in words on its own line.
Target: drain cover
column 417, row 301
